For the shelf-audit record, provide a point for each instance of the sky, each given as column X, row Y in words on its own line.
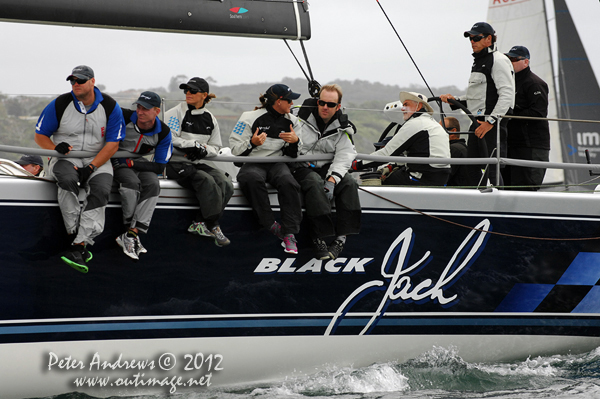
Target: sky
column 351, row 39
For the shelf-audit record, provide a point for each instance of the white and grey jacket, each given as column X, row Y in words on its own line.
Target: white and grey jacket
column 491, row 90
column 420, row 136
column 337, row 140
column 268, row 121
column 190, row 126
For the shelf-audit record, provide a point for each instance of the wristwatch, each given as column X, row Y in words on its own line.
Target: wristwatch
column 491, row 120
column 94, row 167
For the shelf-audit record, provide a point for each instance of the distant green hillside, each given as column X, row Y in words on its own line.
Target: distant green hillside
column 363, row 102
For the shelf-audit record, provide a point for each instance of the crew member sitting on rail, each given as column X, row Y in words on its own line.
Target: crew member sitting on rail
column 83, row 120
column 137, row 176
column 196, row 133
column 419, row 136
column 326, row 130
column 271, row 131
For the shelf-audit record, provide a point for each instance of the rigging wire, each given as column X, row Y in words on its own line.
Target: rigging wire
column 313, row 86
column 405, row 48
column 473, row 228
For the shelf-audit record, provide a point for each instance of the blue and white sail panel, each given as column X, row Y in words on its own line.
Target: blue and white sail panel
column 524, row 23
column 282, row 19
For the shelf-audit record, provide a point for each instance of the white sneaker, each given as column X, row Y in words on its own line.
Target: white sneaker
column 140, row 247
column 129, row 245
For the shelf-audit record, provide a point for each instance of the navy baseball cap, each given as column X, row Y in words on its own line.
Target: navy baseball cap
column 148, row 100
column 519, row 52
column 30, row 160
column 81, row 72
column 480, row 28
column 196, row 84
column 282, row 91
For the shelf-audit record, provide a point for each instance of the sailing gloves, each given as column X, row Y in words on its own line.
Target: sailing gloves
column 119, row 163
column 357, row 165
column 196, row 152
column 329, row 187
column 63, row 148
column 85, row 173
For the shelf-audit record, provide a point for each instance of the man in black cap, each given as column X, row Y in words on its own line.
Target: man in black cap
column 490, row 95
column 31, row 163
column 83, row 120
column 196, row 133
column 271, row 131
column 136, row 175
column 527, row 138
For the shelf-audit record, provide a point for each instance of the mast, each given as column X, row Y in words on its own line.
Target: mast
column 282, row 19
column 579, row 96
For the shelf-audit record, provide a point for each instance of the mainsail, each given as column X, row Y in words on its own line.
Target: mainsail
column 283, row 19
column 524, row 23
column 579, row 96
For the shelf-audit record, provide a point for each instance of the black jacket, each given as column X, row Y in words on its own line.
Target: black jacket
column 531, row 100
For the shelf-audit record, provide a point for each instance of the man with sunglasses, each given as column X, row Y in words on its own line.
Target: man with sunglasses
column 196, row 133
column 490, row 94
column 527, row 138
column 83, row 120
column 326, row 130
column 271, row 131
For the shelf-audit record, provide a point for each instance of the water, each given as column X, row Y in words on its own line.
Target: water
column 439, row 373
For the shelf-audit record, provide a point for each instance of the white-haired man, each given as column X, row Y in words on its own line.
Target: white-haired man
column 419, row 136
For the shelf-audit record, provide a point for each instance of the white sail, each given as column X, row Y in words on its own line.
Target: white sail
column 525, row 23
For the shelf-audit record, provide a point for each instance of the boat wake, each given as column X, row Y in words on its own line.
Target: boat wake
column 438, row 373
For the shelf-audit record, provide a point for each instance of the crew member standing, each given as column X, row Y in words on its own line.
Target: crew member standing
column 490, row 94
column 527, row 138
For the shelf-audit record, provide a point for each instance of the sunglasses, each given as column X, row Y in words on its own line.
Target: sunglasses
column 328, row 103
column 192, row 91
column 477, row 38
column 78, row 81
column 515, row 59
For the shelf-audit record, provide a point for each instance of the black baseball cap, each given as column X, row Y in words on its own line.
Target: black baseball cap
column 520, row 52
column 196, row 84
column 480, row 28
column 282, row 91
column 30, row 160
column 81, row 72
column 148, row 99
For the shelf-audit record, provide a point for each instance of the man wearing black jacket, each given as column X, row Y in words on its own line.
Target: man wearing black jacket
column 527, row 138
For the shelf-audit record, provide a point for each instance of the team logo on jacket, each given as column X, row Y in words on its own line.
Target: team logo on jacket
column 103, row 130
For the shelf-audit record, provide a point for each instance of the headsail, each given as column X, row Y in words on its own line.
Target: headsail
column 524, row 23
column 579, row 95
column 283, row 19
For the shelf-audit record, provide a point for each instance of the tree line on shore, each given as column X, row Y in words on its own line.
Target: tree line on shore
column 363, row 102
